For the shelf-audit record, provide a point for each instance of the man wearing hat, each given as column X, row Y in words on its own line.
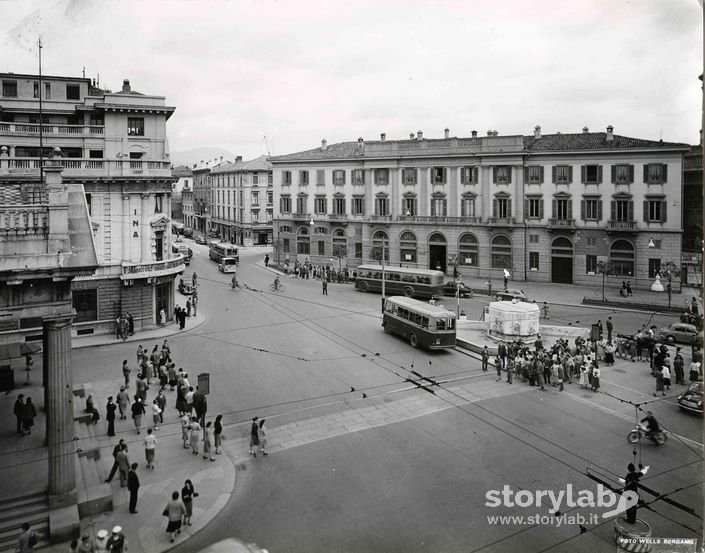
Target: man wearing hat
column 110, row 409
column 101, row 541
column 133, row 485
column 117, row 543
column 123, row 401
column 18, row 410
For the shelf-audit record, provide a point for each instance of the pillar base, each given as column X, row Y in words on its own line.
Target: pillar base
column 63, row 500
column 64, row 524
column 627, row 535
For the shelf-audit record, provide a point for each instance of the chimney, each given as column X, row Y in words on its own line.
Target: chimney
column 585, row 130
column 419, row 135
column 126, row 85
column 383, row 137
column 495, row 132
column 221, row 158
column 324, row 144
column 447, row 132
column 610, row 136
column 360, row 144
column 411, row 136
column 537, row 131
column 474, row 134
column 489, row 133
column 238, row 159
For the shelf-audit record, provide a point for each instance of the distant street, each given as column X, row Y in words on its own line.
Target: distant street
column 420, row 484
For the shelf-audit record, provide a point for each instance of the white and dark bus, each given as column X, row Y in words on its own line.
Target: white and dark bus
column 423, row 324
column 218, row 250
column 418, row 283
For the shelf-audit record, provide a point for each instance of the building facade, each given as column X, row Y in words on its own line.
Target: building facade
column 114, row 145
column 183, row 177
column 242, row 200
column 546, row 207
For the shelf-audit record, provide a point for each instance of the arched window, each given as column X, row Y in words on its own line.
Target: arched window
column 407, row 247
column 622, row 258
column 340, row 244
column 380, row 245
column 501, row 252
column 467, row 250
column 437, row 239
column 562, row 246
column 303, row 242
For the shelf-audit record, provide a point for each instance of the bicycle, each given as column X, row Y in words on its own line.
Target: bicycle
column 275, row 288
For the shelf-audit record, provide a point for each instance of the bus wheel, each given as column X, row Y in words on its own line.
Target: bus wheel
column 408, row 291
column 385, row 326
column 364, row 286
column 413, row 342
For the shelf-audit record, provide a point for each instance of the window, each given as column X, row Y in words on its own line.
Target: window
column 270, row 179
column 408, row 176
column 622, row 258
column 501, row 252
column 533, row 238
column 255, row 215
column 320, row 177
column 85, row 302
column 286, row 246
column 534, row 208
column 255, row 198
column 467, row 206
column 320, row 205
column 468, row 175
column 655, row 173
column 158, row 245
column 439, row 206
column 135, row 126
column 468, row 250
column 562, row 209
column 591, row 209
column 622, row 210
column 591, row 174
column 655, row 211
column 562, row 174
column 654, row 267
column 358, row 176
column 438, row 175
column 502, row 207
column 286, row 177
column 358, row 250
column 89, row 203
column 502, row 174
column 36, row 89
column 321, row 247
column 285, row 204
column 338, row 206
column 9, row 89
column 303, row 242
column 358, row 206
column 73, row 92
column 98, row 154
column 407, row 247
column 533, row 261
column 47, row 91
column 301, row 204
column 270, row 197
column 657, row 244
column 382, row 205
column 622, row 174
column 380, row 245
column 339, row 177
column 303, row 178
column 533, row 174
column 591, row 264
column 381, row 176
column 591, row 241
column 408, row 206
column 158, row 203
column 284, row 228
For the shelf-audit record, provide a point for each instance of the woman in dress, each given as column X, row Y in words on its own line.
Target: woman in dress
column 175, row 510
column 609, row 354
column 583, row 376
column 262, row 438
column 218, row 433
column 595, row 379
column 187, row 494
column 28, row 414
column 209, row 442
column 666, row 371
column 195, row 435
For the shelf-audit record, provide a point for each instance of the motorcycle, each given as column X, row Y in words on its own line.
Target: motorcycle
column 659, row 438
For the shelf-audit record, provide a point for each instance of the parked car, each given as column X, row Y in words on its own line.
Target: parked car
column 692, row 398
column 183, row 249
column 201, row 239
column 678, row 332
column 511, row 294
column 188, row 232
column 185, row 287
column 451, row 287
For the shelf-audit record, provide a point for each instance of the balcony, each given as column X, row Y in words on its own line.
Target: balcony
column 79, row 167
column 165, row 267
column 501, row 221
column 22, row 219
column 32, row 129
column 621, row 226
column 432, row 220
column 380, row 219
column 300, row 216
column 561, row 224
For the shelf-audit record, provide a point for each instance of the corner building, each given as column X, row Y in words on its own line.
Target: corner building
column 545, row 207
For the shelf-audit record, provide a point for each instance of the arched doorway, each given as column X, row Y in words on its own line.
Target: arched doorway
column 562, row 261
column 622, row 258
column 437, row 252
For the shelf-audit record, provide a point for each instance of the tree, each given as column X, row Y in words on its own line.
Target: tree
column 604, row 268
column 669, row 270
column 340, row 252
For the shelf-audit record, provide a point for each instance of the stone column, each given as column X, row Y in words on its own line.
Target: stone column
column 126, row 227
column 59, row 409
column 146, row 230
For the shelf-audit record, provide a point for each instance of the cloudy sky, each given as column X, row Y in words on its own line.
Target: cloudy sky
column 302, row 70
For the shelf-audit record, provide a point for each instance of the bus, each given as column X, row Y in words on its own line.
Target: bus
column 418, row 283
column 423, row 324
column 228, row 265
column 218, row 250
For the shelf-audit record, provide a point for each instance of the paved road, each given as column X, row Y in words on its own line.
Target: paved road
column 411, row 485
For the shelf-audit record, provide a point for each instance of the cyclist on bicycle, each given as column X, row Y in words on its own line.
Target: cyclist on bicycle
column 276, row 282
column 234, row 283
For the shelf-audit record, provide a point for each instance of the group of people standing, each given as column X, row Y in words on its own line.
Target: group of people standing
column 25, row 414
column 124, row 326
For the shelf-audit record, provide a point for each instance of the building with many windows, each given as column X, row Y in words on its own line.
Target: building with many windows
column 546, row 207
column 242, row 200
column 114, row 145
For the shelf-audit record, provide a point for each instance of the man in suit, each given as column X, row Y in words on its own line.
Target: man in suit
column 133, row 484
column 123, row 464
column 115, row 466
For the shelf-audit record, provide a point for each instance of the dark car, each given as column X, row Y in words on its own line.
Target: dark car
column 511, row 294
column 692, row 398
column 201, row 240
column 185, row 288
column 188, row 232
column 451, row 287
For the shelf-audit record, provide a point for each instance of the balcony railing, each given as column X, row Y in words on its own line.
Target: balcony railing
column 423, row 219
column 561, row 224
column 306, row 216
column 628, row 226
column 380, row 218
column 501, row 221
column 49, row 129
column 91, row 167
column 24, row 219
column 164, row 267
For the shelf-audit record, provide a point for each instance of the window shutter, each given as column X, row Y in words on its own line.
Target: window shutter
column 494, row 208
column 599, row 210
column 554, row 208
column 445, row 175
column 582, row 209
column 509, row 205
column 541, row 174
column 599, row 174
column 445, row 208
column 570, row 208
column 527, row 213
column 494, row 176
column 583, row 171
column 613, row 209
column 570, row 174
column 646, row 173
column 526, row 175
column 553, row 174
column 630, row 211
column 462, row 175
column 541, row 208
column 664, row 207
column 664, row 172
column 613, row 173
column 509, row 175
column 646, row 211
column 475, row 175
column 631, row 174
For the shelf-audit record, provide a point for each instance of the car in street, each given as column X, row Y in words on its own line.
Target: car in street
column 201, row 240
column 692, row 398
column 451, row 287
column 677, row 332
column 183, row 249
column 185, row 287
column 188, row 232
column 511, row 294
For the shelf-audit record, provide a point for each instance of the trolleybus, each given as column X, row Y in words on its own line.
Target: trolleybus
column 218, row 250
column 419, row 283
column 423, row 324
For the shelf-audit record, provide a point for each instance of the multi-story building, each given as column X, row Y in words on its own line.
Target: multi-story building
column 201, row 197
column 187, row 205
column 183, row 177
column 114, row 145
column 693, row 216
column 546, row 207
column 242, row 199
